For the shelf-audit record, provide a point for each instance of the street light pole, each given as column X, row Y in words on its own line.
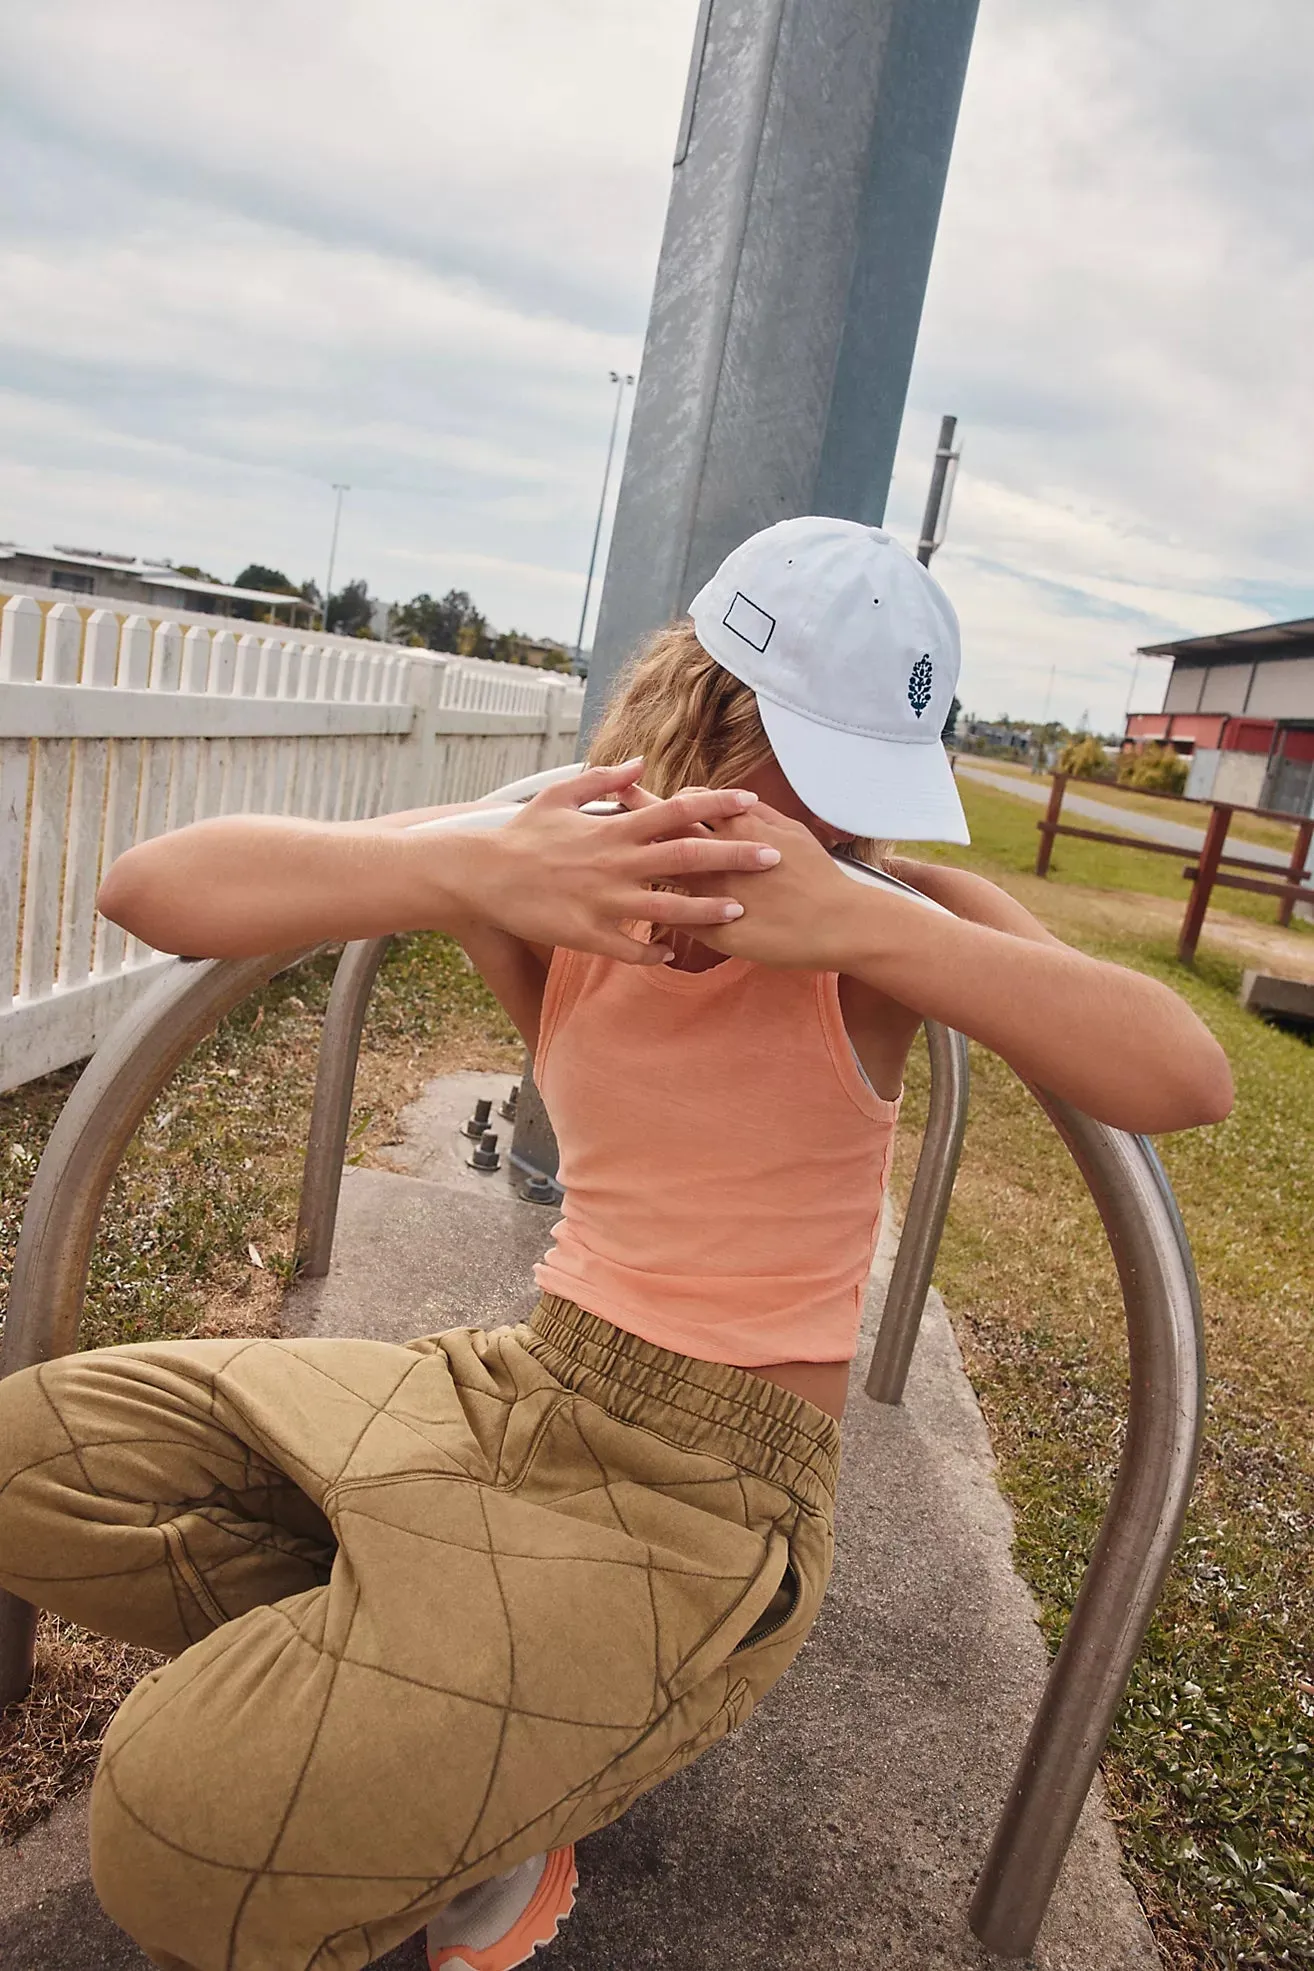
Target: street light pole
column 1043, row 741
column 622, row 383
column 333, row 554
column 936, row 518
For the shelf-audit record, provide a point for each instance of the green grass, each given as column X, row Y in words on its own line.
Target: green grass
column 1005, row 837
column 1211, row 1766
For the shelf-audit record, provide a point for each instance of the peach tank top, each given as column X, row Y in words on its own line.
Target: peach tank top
column 724, row 1158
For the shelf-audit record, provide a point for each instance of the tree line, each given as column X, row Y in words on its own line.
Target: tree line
column 452, row 622
column 449, row 622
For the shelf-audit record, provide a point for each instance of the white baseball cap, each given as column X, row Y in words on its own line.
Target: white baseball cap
column 851, row 648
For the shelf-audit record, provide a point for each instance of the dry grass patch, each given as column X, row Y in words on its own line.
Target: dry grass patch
column 49, row 1746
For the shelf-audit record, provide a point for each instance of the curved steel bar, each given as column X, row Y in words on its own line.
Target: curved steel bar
column 923, row 1224
column 330, row 1118
column 1137, row 1538
column 68, row 1193
column 933, row 1180
column 532, row 783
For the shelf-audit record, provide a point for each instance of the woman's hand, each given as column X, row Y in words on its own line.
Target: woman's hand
column 556, row 876
column 796, row 914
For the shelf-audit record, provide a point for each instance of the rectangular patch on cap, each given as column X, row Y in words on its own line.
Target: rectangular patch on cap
column 749, row 622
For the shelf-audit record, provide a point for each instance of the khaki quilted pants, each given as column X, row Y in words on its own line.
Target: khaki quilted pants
column 431, row 1609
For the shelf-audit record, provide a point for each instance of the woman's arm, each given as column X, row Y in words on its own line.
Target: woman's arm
column 251, row 883
column 1116, row 1044
column 248, row 884
column 970, row 896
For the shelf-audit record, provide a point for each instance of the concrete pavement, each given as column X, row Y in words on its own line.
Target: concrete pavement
column 843, row 1826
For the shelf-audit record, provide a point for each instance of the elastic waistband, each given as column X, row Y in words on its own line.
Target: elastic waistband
column 711, row 1407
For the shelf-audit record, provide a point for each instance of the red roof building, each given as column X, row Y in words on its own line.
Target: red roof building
column 1241, row 706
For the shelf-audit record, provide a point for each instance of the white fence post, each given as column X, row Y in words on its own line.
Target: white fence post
column 20, row 640
column 61, row 658
column 222, row 675
column 100, row 649
column 135, row 654
column 86, row 811
column 248, row 666
column 20, row 656
column 124, row 781
column 166, row 657
column 547, row 746
column 423, row 685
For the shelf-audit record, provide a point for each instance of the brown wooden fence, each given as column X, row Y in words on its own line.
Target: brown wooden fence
column 1211, row 869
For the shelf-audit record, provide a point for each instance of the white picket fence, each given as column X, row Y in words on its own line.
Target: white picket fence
column 116, row 727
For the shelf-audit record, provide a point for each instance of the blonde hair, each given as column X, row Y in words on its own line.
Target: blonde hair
column 694, row 723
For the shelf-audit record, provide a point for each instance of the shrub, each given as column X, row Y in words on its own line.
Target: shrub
column 1155, row 769
column 1084, row 759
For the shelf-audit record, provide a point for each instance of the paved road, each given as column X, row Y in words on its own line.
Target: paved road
column 1125, row 821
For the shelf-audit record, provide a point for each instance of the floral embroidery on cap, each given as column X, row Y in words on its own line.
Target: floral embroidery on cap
column 919, row 685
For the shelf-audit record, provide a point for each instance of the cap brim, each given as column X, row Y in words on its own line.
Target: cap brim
column 886, row 789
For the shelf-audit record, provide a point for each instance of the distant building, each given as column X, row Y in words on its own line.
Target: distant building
column 542, row 653
column 548, row 653
column 86, row 572
column 1008, row 738
column 1241, row 707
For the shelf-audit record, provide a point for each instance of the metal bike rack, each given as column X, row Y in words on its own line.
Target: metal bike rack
column 1142, row 1522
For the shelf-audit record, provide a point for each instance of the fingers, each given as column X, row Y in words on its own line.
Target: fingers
column 670, row 907
column 618, row 944
column 685, row 811
column 703, row 855
column 591, row 785
column 633, row 796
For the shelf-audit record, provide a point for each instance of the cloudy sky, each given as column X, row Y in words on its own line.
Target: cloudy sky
column 248, row 249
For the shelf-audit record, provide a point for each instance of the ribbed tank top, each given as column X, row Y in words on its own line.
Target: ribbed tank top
column 723, row 1157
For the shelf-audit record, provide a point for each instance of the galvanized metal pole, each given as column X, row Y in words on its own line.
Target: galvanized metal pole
column 809, row 170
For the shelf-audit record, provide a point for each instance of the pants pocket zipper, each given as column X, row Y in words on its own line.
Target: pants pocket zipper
column 767, row 1624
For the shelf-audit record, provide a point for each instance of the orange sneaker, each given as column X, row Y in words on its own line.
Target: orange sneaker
column 502, row 1922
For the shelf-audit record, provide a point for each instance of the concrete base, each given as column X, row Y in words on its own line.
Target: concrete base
column 1289, row 1000
column 844, row 1825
